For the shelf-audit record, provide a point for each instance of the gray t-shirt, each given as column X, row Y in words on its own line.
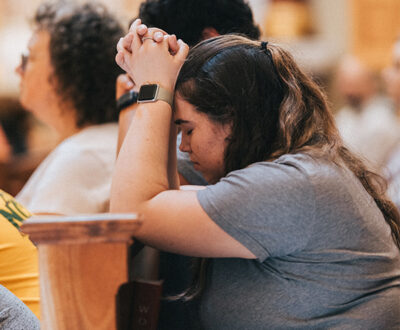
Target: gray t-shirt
column 325, row 255
column 14, row 314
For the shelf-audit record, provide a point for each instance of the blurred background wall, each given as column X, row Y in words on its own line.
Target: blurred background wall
column 318, row 32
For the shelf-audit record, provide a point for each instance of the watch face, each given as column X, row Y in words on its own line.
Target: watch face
column 147, row 92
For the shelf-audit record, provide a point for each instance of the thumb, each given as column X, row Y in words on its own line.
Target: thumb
column 183, row 51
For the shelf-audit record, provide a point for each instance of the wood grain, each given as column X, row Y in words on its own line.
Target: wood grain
column 82, row 263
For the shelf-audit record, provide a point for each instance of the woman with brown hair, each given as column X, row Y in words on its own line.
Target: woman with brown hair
column 298, row 232
column 67, row 81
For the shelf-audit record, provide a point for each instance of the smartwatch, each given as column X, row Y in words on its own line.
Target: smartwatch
column 153, row 93
column 126, row 100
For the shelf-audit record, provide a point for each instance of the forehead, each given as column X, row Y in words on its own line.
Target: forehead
column 185, row 111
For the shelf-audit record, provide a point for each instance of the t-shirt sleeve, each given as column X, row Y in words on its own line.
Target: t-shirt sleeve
column 268, row 207
column 72, row 183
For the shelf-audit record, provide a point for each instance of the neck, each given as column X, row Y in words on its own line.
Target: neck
column 65, row 123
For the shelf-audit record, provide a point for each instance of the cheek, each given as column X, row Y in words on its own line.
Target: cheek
column 213, row 151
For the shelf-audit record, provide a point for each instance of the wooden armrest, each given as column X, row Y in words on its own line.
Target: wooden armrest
column 83, row 261
column 85, row 228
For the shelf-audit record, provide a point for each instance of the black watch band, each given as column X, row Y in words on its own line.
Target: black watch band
column 126, row 100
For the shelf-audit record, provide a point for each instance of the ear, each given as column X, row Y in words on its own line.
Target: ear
column 209, row 32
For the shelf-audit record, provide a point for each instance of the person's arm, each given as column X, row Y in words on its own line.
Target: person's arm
column 173, row 219
column 125, row 83
column 14, row 314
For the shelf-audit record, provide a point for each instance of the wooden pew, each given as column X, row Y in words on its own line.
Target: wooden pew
column 82, row 262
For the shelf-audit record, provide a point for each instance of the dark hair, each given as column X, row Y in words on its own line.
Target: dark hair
column 82, row 51
column 274, row 109
column 188, row 18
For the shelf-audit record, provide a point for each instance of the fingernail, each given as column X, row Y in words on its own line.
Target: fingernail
column 129, row 84
column 158, row 35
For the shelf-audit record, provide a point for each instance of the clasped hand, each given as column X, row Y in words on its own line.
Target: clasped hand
column 151, row 56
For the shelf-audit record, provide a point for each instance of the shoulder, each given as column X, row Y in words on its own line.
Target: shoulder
column 286, row 171
column 97, row 137
column 93, row 144
column 295, row 183
column 266, row 185
column 85, row 160
column 268, row 206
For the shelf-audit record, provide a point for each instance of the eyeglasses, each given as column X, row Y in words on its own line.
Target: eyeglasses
column 24, row 60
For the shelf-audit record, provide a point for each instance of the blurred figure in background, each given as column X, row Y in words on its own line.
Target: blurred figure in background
column 391, row 76
column 367, row 122
column 5, row 147
column 14, row 315
column 21, row 147
column 68, row 82
column 16, row 125
column 19, row 271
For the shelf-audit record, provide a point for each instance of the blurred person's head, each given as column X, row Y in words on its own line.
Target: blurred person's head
column 355, row 82
column 194, row 20
column 68, row 77
column 391, row 75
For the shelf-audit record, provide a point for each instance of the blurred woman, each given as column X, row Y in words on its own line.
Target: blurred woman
column 67, row 81
column 298, row 231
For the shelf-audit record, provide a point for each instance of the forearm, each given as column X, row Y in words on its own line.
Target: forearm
column 173, row 176
column 124, row 122
column 141, row 171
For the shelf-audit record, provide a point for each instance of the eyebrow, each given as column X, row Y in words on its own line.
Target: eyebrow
column 181, row 121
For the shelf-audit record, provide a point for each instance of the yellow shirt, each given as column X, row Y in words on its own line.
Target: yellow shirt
column 18, row 256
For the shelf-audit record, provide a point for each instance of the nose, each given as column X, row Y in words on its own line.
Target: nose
column 18, row 69
column 185, row 145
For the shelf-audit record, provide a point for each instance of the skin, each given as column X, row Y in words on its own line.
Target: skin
column 125, row 83
column 174, row 220
column 5, row 148
column 37, row 88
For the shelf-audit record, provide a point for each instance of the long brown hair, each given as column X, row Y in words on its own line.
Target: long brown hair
column 274, row 108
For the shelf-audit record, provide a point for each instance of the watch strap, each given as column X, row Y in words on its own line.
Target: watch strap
column 165, row 95
column 126, row 100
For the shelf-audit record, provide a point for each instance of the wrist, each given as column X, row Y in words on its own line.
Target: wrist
column 155, row 92
column 126, row 100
